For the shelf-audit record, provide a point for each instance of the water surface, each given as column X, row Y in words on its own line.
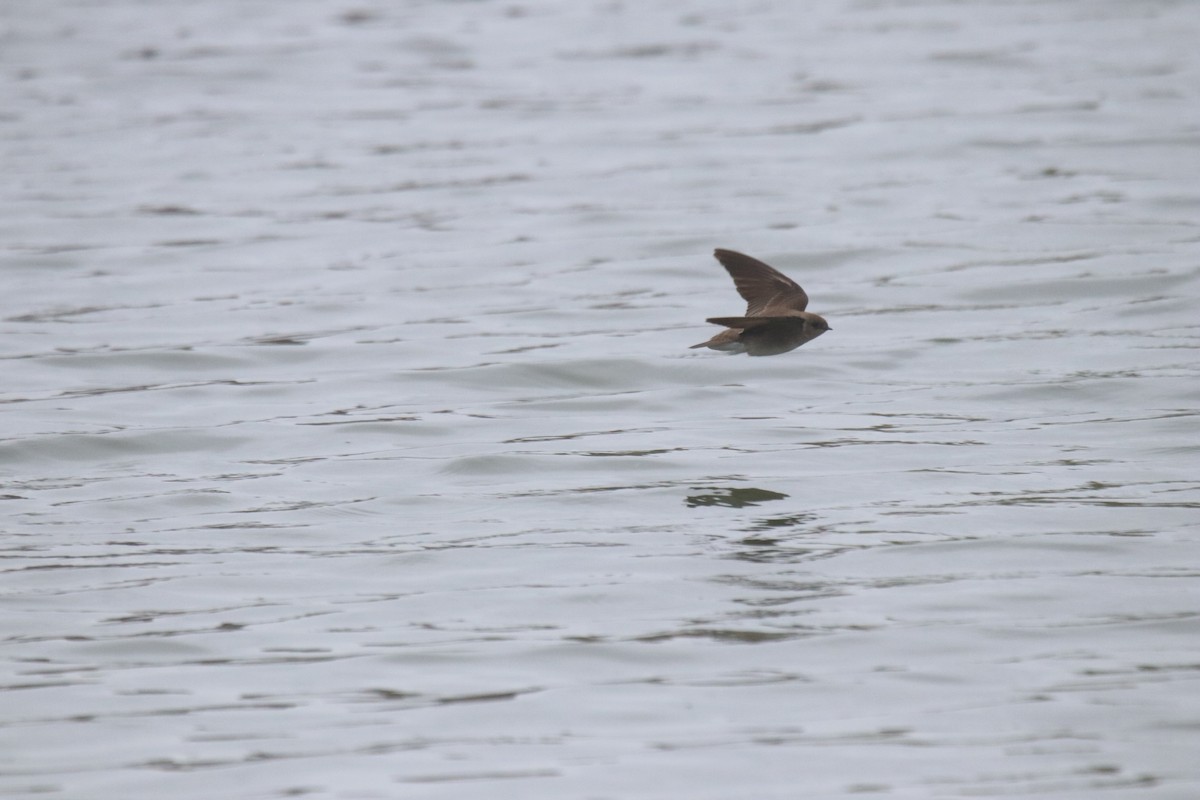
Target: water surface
column 352, row 447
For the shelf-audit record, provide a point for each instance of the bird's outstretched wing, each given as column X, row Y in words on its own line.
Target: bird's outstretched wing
column 747, row 322
column 761, row 285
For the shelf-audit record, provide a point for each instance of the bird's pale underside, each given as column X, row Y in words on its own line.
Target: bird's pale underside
column 775, row 320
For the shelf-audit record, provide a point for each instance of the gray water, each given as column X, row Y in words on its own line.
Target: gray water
column 352, row 447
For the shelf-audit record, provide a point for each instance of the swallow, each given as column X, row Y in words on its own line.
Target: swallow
column 775, row 320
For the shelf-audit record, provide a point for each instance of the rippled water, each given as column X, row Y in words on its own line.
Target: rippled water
column 352, row 447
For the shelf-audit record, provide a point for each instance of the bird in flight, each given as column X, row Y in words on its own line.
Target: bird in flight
column 775, row 320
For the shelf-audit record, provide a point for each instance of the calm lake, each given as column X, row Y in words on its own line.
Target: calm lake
column 351, row 446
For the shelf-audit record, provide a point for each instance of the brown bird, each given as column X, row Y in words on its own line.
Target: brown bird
column 775, row 320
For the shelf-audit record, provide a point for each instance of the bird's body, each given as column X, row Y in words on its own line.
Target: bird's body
column 775, row 320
